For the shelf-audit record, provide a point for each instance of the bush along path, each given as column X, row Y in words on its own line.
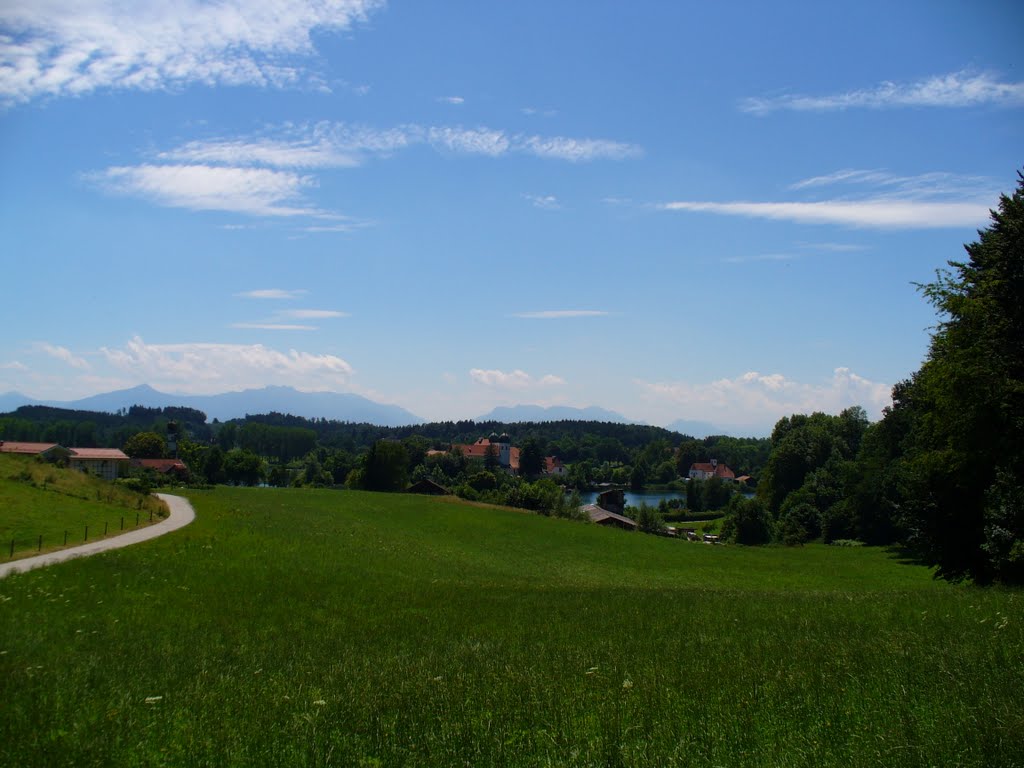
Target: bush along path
column 180, row 515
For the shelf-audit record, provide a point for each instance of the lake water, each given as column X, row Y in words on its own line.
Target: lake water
column 634, row 499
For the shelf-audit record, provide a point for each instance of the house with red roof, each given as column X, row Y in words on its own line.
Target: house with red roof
column 506, row 454
column 168, row 467
column 707, row 470
column 554, row 466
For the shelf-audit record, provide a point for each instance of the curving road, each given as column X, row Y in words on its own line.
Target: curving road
column 181, row 514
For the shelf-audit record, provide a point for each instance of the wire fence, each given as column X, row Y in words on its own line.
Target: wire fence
column 75, row 536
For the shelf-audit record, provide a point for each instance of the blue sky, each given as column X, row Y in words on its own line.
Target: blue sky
column 672, row 210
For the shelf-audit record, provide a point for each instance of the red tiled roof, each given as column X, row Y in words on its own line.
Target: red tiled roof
column 719, row 470
column 113, row 454
column 551, row 463
column 161, row 465
column 14, row 446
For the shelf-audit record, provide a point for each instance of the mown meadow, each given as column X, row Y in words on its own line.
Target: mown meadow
column 302, row 627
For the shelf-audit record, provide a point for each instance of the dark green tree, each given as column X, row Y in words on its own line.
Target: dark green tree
column 531, row 458
column 243, row 467
column 385, row 467
column 961, row 416
column 146, row 445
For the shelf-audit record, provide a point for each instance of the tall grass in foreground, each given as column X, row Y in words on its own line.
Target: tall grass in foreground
column 325, row 628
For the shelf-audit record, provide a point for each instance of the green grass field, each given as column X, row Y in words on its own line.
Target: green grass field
column 40, row 499
column 297, row 627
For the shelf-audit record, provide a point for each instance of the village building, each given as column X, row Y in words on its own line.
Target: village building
column 608, row 510
column 713, row 468
column 428, row 487
column 46, row 450
column 168, row 467
column 505, row 453
column 101, row 462
column 554, row 466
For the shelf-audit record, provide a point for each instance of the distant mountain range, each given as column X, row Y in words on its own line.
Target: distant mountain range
column 232, row 405
column 510, row 414
column 328, row 405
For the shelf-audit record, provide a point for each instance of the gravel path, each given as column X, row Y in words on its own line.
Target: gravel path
column 181, row 515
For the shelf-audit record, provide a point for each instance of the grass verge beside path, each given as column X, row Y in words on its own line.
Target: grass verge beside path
column 40, row 499
column 293, row 627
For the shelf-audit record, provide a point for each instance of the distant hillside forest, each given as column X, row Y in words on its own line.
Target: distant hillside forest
column 282, row 438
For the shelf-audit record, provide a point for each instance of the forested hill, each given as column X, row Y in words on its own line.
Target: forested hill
column 571, row 441
column 97, row 429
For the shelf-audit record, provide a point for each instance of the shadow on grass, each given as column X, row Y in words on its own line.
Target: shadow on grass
column 905, row 555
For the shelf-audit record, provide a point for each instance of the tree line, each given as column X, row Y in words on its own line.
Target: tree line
column 942, row 474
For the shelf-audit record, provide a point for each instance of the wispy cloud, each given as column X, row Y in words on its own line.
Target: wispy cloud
column 455, row 100
column 936, row 185
column 65, row 48
column 759, row 257
column 252, row 191
column 213, row 367
column 479, row 141
column 274, row 326
column 576, row 150
column 885, row 201
column 545, row 202
column 762, row 399
column 14, row 365
column 957, row 89
column 317, row 145
column 558, row 314
column 875, row 214
column 516, row 379
column 279, row 320
column 262, row 175
column 64, row 355
column 273, row 293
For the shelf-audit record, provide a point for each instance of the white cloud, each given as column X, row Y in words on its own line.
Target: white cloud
column 516, row 379
column 204, row 368
column 957, row 89
column 318, row 145
column 65, row 355
column 274, row 326
column 456, row 100
column 759, row 257
column 257, row 175
column 311, row 314
column 67, row 47
column 544, row 202
column 558, row 314
column 273, row 293
column 252, row 191
column 878, row 213
column 762, row 399
column 936, row 185
column 14, row 365
column 479, row 141
column 576, row 150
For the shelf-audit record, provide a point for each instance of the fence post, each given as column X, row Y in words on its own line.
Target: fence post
column 65, row 538
column 12, row 547
column 40, row 543
column 122, row 522
column 151, row 515
column 87, row 533
column 104, row 528
column 136, row 519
